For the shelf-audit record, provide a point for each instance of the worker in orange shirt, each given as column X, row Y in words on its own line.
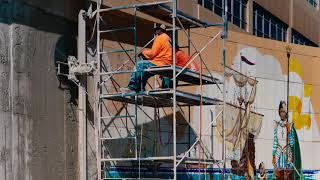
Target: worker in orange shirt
column 159, row 55
column 182, row 60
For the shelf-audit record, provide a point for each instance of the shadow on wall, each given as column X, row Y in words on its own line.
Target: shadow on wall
column 154, row 139
column 66, row 46
column 144, row 28
column 22, row 13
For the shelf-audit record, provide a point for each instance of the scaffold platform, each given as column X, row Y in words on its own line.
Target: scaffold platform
column 163, row 12
column 163, row 159
column 187, row 76
column 161, row 98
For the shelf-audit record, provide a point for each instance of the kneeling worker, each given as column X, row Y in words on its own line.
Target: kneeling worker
column 182, row 60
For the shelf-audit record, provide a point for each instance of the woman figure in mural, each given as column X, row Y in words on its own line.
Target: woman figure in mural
column 283, row 141
column 262, row 172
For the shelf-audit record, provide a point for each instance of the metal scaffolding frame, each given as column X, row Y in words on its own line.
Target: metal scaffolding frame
column 174, row 98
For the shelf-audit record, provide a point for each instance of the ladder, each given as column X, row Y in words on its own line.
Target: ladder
column 101, row 81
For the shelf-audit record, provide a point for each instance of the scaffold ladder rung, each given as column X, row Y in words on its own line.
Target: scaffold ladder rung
column 117, row 51
column 116, row 117
column 116, row 72
column 133, row 6
column 137, row 159
column 115, row 138
column 136, row 178
column 118, row 29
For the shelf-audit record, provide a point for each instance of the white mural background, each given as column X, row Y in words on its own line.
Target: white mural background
column 271, row 89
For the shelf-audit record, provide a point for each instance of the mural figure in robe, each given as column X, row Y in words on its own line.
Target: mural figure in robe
column 286, row 151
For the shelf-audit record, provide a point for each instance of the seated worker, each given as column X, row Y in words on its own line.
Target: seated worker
column 159, row 55
column 182, row 59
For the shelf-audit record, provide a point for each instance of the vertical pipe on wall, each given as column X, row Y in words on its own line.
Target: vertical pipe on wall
column 174, row 15
column 225, row 31
column 96, row 85
column 136, row 97
column 189, row 109
column 82, row 157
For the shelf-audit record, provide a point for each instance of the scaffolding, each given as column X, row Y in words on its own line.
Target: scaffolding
column 156, row 98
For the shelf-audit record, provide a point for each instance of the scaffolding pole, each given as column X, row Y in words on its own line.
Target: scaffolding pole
column 174, row 15
column 224, row 59
column 97, row 94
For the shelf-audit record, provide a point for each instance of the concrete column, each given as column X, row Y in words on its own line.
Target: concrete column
column 289, row 35
column 249, row 16
column 318, row 9
column 82, row 153
column 289, row 30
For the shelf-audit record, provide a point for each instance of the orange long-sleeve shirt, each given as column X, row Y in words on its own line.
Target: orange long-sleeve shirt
column 161, row 52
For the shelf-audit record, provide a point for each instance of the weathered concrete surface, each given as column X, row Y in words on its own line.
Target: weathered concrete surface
column 38, row 137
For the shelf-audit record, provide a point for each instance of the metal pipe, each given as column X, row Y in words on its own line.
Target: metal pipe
column 115, row 72
column 225, row 34
column 136, row 97
column 117, row 51
column 118, row 29
column 114, row 117
column 215, row 25
column 97, row 90
column 174, row 15
column 134, row 6
column 113, row 138
column 137, row 159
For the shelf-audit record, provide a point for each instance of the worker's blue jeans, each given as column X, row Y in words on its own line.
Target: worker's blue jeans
column 139, row 78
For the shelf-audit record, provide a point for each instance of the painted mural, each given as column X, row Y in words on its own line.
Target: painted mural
column 262, row 130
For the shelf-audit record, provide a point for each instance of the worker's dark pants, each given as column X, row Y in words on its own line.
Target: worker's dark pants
column 139, row 78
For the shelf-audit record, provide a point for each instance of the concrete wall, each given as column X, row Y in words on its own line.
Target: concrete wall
column 306, row 20
column 273, row 7
column 38, row 109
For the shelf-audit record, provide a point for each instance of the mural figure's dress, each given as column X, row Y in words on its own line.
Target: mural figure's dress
column 283, row 142
column 262, row 177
